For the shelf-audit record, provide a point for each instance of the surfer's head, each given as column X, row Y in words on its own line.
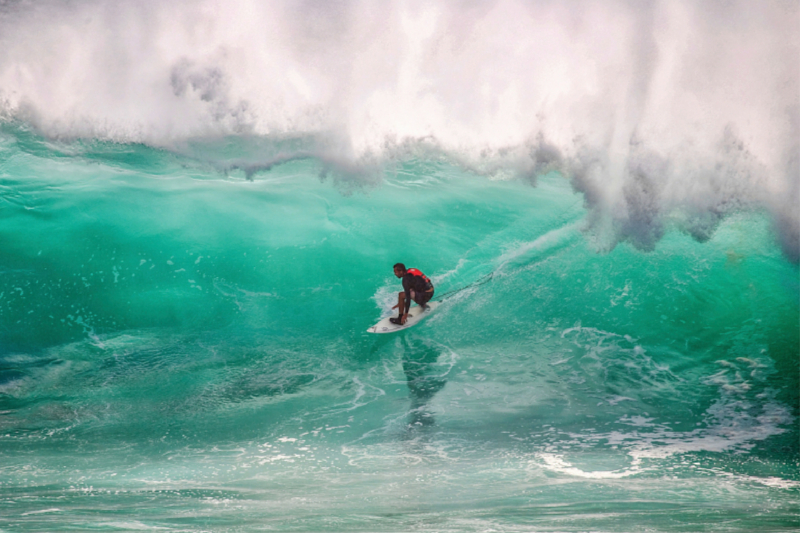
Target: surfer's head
column 399, row 270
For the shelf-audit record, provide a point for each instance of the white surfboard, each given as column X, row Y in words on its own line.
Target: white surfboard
column 415, row 316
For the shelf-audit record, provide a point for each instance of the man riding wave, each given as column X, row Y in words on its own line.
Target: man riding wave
column 416, row 286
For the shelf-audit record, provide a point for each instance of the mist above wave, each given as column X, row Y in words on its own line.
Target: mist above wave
column 659, row 112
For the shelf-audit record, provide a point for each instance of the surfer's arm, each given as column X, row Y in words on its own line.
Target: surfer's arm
column 407, row 299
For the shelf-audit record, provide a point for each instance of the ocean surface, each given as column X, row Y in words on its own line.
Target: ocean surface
column 184, row 295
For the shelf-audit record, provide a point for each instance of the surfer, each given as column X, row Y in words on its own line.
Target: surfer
column 416, row 286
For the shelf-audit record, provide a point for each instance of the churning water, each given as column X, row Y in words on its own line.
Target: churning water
column 201, row 204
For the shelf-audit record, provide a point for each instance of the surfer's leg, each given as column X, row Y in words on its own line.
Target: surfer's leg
column 422, row 299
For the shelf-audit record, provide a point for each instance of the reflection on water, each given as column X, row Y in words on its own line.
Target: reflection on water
column 425, row 375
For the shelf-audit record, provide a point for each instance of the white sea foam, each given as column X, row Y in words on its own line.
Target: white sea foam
column 732, row 423
column 43, row 511
column 666, row 112
column 556, row 463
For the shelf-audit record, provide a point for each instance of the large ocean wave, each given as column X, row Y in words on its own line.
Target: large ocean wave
column 201, row 204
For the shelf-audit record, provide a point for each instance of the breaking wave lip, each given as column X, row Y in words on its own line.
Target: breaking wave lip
column 641, row 217
column 653, row 133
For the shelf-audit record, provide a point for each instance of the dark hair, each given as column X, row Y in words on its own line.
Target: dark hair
column 401, row 266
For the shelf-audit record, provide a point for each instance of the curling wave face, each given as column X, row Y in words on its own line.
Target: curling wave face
column 190, row 342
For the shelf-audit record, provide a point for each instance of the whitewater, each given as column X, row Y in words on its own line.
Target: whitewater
column 201, row 203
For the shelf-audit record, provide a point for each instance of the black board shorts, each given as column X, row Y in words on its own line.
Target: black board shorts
column 422, row 297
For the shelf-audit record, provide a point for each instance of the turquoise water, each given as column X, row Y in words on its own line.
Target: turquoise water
column 201, row 203
column 184, row 349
